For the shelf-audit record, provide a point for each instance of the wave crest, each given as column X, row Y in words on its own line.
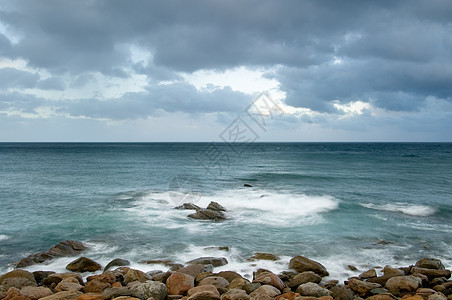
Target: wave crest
column 403, row 207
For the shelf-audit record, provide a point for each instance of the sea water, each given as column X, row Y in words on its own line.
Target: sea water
column 360, row 204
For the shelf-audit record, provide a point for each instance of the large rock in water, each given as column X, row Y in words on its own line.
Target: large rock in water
column 83, row 264
column 62, row 249
column 303, row 264
column 215, row 206
column 214, row 261
column 207, row 214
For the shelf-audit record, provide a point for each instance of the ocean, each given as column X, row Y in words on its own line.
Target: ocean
column 360, row 204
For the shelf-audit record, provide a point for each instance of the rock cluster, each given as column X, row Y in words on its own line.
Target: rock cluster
column 305, row 279
column 213, row 212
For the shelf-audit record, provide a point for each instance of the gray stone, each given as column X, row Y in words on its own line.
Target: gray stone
column 430, row 263
column 118, row 262
column 214, row 261
column 83, row 264
column 208, row 214
column 268, row 290
column 305, row 277
column 154, row 289
column 403, row 284
column 312, row 289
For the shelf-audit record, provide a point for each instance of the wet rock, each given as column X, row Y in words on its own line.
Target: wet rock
column 303, row 264
column 360, row 287
column 35, row 292
column 368, row 274
column 136, row 275
column 382, row 279
column 96, row 286
column 222, row 248
column 118, row 262
column 179, row 283
column 107, row 277
column 403, row 284
column 352, row 268
column 263, row 256
column 330, row 283
column 62, row 249
column 267, row 290
column 208, row 214
column 154, row 289
column 431, row 273
column 247, row 185
column 430, row 263
column 235, row 294
column 218, row 282
column 188, row 206
column 69, row 284
column 387, row 270
column 305, row 277
column 269, row 278
column 214, row 261
column 239, row 283
column 66, row 295
column 41, row 275
column 83, row 264
column 312, row 289
column 215, row 206
column 342, row 293
column 17, row 279
column 162, row 277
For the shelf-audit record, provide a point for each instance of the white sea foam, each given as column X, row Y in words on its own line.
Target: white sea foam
column 403, row 207
column 3, row 237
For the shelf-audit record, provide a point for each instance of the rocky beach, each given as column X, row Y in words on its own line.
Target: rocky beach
column 304, row 279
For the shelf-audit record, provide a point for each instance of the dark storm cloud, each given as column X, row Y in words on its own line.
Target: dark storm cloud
column 394, row 53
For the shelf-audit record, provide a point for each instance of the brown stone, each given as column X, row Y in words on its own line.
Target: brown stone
column 90, row 297
column 303, row 264
column 228, row 275
column 96, row 286
column 83, row 264
column 239, row 283
column 128, row 298
column 202, row 288
column 17, row 279
column 218, row 282
column 312, row 289
column 68, row 284
column 341, row 293
column 387, row 270
column 267, row 290
column 305, row 277
column 66, row 295
column 192, row 270
column 385, row 296
column 214, row 261
column 136, row 275
column 270, row 279
column 371, row 273
column 403, row 284
column 35, row 292
column 430, row 263
column 412, row 297
column 288, row 296
column 263, row 256
column 382, row 279
column 360, row 287
column 179, row 283
column 235, row 294
column 431, row 273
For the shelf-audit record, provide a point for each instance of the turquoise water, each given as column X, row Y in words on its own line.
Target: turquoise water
column 365, row 204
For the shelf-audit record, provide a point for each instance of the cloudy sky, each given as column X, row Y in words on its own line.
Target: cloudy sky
column 186, row 70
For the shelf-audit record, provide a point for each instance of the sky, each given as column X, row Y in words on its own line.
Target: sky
column 156, row 71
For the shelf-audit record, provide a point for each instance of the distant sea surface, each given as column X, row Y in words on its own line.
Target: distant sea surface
column 361, row 204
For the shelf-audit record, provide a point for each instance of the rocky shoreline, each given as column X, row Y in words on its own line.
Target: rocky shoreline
column 304, row 279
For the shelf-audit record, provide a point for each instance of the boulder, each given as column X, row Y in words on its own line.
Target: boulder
column 188, row 206
column 239, row 283
column 83, row 264
column 179, row 283
column 360, row 287
column 431, row 273
column 35, row 292
column 342, row 293
column 193, row 270
column 154, row 289
column 303, row 264
column 41, row 275
column 205, row 295
column 330, row 283
column 202, row 288
column 312, row 289
column 107, row 277
column 437, row 296
column 115, row 292
column 214, row 261
column 203, row 275
column 208, row 214
column 235, row 294
column 218, row 282
column 66, row 295
column 229, row 275
column 430, row 263
column 386, row 296
column 117, row 262
column 269, row 278
column 136, row 275
column 382, row 279
column 96, row 286
column 215, row 206
column 58, row 277
column 127, row 298
column 69, row 284
column 263, row 256
column 90, row 297
column 288, row 296
column 387, row 270
column 268, row 290
column 403, row 284
column 162, row 277
column 304, row 277
column 17, row 279
column 368, row 274
column 62, row 249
